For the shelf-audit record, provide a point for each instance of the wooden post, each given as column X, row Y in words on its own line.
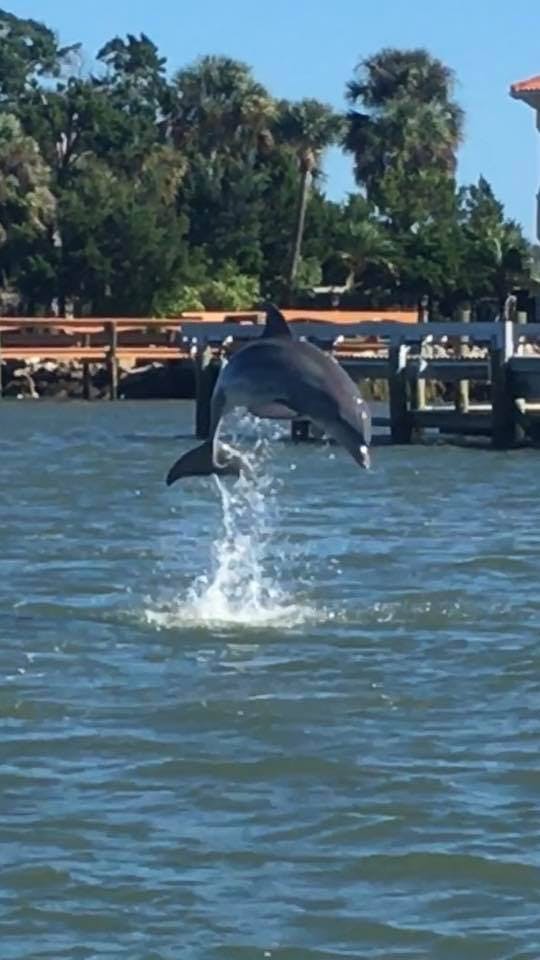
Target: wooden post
column 400, row 418
column 423, row 309
column 299, row 431
column 461, row 387
column 112, row 361
column 87, row 379
column 417, row 400
column 418, row 385
column 505, row 429
column 206, row 373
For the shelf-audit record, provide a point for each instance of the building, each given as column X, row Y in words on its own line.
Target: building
column 529, row 92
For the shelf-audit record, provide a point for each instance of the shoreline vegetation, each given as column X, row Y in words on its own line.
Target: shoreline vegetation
column 131, row 187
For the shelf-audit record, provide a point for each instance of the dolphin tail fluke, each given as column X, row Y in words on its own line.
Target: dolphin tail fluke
column 200, row 462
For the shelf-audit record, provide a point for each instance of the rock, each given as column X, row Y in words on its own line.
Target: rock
column 21, row 386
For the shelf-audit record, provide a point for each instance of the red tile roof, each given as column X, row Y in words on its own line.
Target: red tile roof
column 528, row 91
column 532, row 85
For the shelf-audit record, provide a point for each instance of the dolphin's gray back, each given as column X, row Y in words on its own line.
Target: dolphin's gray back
column 299, row 375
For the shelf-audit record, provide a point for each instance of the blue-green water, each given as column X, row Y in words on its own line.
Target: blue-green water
column 329, row 747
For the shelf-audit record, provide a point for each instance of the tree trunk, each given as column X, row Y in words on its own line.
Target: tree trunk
column 303, row 198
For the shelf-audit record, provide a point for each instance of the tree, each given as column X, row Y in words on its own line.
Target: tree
column 126, row 192
column 403, row 131
column 309, row 127
column 365, row 245
column 496, row 254
column 138, row 92
column 123, row 239
column 218, row 107
column 226, row 290
column 219, row 120
column 27, row 206
column 28, row 52
column 279, row 191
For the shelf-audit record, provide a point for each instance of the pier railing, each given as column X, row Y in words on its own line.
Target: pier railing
column 504, row 355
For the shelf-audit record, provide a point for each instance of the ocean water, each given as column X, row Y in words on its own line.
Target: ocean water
column 293, row 717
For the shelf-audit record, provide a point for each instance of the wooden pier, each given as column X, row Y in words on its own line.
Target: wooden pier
column 105, row 341
column 504, row 356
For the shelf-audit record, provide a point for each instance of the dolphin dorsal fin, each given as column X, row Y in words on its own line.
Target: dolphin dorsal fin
column 276, row 324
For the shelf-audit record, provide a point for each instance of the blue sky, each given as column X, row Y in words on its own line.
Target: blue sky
column 303, row 48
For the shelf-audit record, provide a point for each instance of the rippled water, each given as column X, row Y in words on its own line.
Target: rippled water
column 298, row 718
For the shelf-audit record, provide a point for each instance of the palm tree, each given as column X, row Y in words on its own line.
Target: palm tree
column 404, row 122
column 218, row 107
column 364, row 244
column 309, row 127
column 393, row 73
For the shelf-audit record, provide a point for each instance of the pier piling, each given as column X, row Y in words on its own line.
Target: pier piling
column 505, row 429
column 400, row 417
column 112, row 360
column 87, row 379
column 206, row 373
column 461, row 387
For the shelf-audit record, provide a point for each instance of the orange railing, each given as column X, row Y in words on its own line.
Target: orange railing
column 64, row 339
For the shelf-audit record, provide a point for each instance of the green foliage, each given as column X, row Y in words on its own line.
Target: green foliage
column 124, row 191
column 364, row 243
column 404, row 131
column 228, row 290
column 27, row 206
column 309, row 273
column 28, row 52
column 496, row 253
column 218, row 107
column 308, row 127
column 122, row 240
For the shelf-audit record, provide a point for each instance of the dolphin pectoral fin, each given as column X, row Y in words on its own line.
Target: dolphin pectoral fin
column 200, row 462
column 273, row 411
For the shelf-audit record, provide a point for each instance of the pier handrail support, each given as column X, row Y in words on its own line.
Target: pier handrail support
column 112, row 359
column 400, row 416
column 389, row 330
column 505, row 429
column 461, row 387
column 205, row 373
column 217, row 331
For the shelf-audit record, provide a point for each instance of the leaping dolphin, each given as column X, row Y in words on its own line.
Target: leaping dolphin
column 276, row 376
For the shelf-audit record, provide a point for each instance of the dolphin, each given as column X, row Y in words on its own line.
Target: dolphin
column 277, row 376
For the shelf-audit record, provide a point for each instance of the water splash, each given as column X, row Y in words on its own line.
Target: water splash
column 244, row 583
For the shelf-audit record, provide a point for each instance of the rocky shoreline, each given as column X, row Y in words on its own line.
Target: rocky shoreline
column 40, row 379
column 46, row 379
